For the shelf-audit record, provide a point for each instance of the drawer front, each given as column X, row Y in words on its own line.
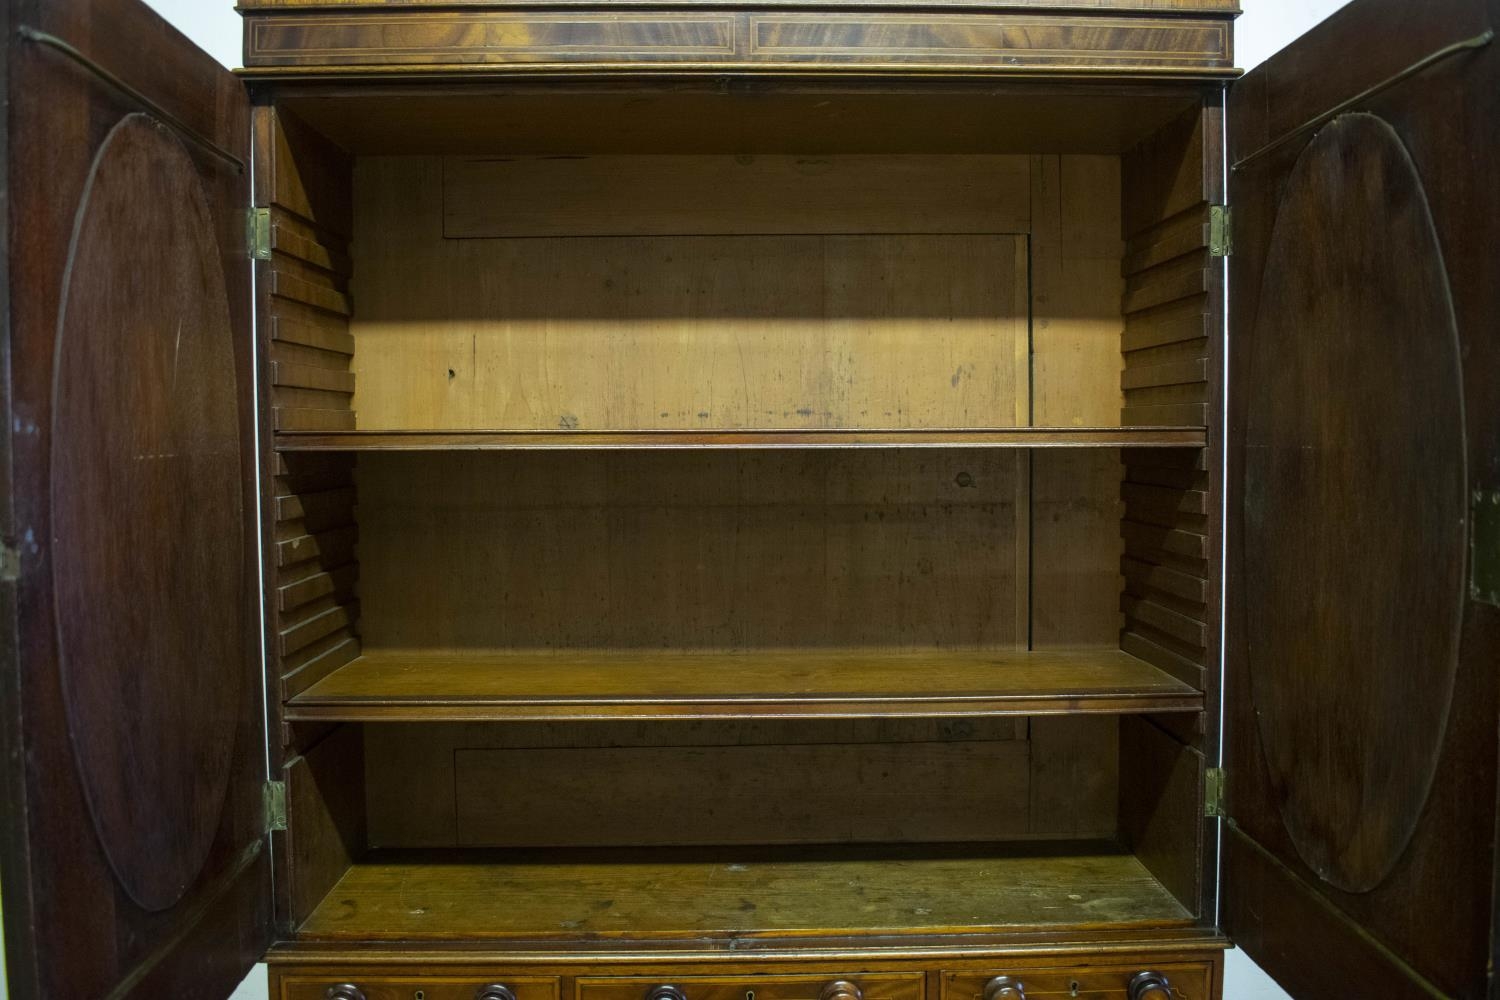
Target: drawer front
column 832, row 985
column 1188, row 981
column 435, row 987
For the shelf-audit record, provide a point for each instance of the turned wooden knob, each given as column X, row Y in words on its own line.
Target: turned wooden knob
column 1004, row 988
column 842, row 989
column 495, row 991
column 666, row 992
column 345, row 991
column 1150, row 986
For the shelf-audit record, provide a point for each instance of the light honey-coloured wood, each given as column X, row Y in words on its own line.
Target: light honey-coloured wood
column 704, row 333
column 1050, row 438
column 1076, row 287
column 832, row 684
column 760, row 437
column 805, row 892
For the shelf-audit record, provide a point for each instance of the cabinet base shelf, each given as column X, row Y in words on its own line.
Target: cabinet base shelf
column 694, row 897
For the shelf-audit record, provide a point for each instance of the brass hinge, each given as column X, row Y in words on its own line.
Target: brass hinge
column 1213, row 793
column 1220, row 231
column 10, row 564
column 1484, row 547
column 274, row 795
column 258, row 233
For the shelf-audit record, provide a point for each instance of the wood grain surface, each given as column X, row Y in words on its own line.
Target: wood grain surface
column 146, row 459
column 742, row 893
column 1186, row 438
column 682, row 332
column 1161, row 41
column 907, row 115
column 1354, row 443
column 1427, row 927
column 133, row 850
column 394, row 685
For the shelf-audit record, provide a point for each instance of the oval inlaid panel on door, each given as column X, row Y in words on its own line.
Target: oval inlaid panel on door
column 147, row 519
column 1355, row 513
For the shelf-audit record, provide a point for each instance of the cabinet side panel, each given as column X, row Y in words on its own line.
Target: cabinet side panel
column 1169, row 344
column 1172, row 348
column 325, row 803
column 305, row 307
column 302, row 183
column 1161, row 806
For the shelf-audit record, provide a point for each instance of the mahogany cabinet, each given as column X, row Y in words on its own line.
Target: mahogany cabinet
column 666, row 500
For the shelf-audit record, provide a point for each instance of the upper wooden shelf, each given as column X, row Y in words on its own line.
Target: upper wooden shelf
column 400, row 686
column 1000, row 437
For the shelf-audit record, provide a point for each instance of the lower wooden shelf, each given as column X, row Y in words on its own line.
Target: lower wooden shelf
column 666, row 894
column 650, row 440
column 407, row 686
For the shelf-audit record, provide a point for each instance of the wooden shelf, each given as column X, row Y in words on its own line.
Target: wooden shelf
column 1001, row 437
column 721, row 894
column 390, row 686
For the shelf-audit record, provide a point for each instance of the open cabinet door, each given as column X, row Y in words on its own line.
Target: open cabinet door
column 135, row 857
column 1363, row 658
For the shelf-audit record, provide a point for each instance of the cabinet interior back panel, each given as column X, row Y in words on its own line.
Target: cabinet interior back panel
column 890, row 329
column 603, row 784
column 694, row 550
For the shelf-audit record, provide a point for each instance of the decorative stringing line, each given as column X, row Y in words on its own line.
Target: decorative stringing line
column 729, row 45
column 1003, row 24
column 1216, row 48
column 112, row 81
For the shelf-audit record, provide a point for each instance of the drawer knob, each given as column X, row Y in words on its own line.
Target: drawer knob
column 842, row 989
column 345, row 991
column 1004, row 988
column 495, row 991
column 666, row 992
column 1150, row 986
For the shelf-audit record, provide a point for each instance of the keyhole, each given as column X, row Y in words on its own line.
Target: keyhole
column 1073, row 988
column 419, row 995
column 749, row 995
